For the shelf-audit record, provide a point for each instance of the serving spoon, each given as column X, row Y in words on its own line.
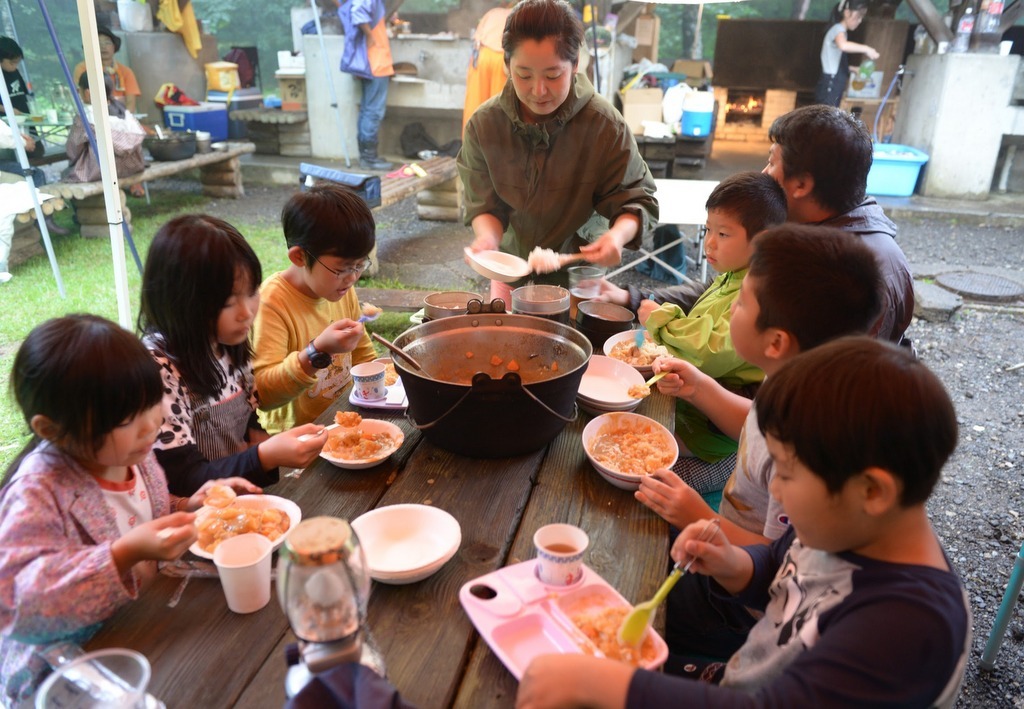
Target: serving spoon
column 631, row 632
column 398, row 351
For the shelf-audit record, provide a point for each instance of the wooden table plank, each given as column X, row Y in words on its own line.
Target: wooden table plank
column 624, row 537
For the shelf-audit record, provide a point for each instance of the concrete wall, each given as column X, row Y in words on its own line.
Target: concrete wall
column 435, row 97
column 160, row 57
column 956, row 108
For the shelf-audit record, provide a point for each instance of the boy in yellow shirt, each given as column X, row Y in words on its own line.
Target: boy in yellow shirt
column 307, row 334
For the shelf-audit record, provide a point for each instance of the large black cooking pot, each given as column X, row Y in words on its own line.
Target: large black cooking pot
column 467, row 403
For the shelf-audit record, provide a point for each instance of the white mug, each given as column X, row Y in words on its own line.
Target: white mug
column 560, row 549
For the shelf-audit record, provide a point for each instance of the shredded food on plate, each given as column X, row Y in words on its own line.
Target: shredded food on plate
column 627, row 351
column 602, row 628
column 221, row 518
column 627, row 447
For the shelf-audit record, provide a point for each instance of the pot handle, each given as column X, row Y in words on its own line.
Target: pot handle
column 514, row 378
column 439, row 419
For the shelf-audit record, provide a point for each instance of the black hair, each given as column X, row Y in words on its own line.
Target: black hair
column 108, row 83
column 85, row 374
column 9, row 49
column 190, row 274
column 814, row 282
column 831, row 146
column 857, row 403
column 754, row 199
column 328, row 220
column 844, row 5
column 540, row 19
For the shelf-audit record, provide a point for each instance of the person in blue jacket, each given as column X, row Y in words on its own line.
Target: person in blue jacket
column 367, row 56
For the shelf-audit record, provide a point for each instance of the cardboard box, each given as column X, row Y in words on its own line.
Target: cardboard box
column 647, row 31
column 640, row 105
column 293, row 91
column 697, row 72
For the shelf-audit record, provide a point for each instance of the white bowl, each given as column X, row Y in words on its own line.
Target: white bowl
column 498, row 266
column 597, row 409
column 607, row 381
column 407, row 543
column 370, row 426
column 260, row 502
column 599, row 426
column 629, row 335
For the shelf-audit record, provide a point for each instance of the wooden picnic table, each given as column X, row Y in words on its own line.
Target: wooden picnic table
column 204, row 655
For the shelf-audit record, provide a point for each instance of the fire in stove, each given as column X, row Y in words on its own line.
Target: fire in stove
column 744, row 108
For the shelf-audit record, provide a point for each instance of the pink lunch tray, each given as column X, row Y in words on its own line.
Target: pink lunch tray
column 520, row 618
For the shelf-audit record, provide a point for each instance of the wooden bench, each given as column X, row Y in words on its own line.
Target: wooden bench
column 220, row 173
column 437, row 194
column 26, row 241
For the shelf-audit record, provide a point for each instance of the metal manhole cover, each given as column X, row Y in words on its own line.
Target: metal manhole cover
column 981, row 286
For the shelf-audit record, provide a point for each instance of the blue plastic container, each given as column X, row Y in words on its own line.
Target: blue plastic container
column 698, row 109
column 212, row 118
column 894, row 170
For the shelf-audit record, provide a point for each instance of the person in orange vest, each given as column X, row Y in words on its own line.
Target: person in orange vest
column 486, row 74
column 367, row 56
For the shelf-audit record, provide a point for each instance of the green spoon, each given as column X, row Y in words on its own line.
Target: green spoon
column 631, row 632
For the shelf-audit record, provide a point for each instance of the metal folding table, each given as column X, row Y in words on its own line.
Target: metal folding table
column 681, row 202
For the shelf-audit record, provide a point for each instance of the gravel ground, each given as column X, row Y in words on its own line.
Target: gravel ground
column 978, row 505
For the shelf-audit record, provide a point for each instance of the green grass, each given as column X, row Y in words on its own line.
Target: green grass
column 88, row 274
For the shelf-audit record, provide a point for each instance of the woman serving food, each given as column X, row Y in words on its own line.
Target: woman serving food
column 548, row 162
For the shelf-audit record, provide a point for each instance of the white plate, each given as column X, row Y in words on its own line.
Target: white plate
column 370, row 426
column 261, row 502
column 498, row 266
column 407, row 543
column 646, row 370
column 618, row 478
column 597, row 410
column 607, row 382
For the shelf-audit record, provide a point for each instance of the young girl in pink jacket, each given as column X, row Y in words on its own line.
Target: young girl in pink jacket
column 84, row 510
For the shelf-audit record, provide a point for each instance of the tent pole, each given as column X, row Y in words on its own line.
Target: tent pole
column 330, row 82
column 105, row 154
column 80, row 107
column 28, row 171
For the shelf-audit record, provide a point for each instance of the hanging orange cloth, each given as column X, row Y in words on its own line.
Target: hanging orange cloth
column 179, row 17
column 486, row 74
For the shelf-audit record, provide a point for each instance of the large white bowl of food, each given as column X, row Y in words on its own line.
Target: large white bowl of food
column 407, row 543
column 359, row 443
column 225, row 515
column 622, row 347
column 625, row 447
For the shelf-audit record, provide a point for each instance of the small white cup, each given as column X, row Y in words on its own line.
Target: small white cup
column 560, row 549
column 368, row 381
column 50, row 115
column 1004, row 47
column 243, row 563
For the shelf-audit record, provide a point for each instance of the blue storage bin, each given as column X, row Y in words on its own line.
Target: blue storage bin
column 212, row 118
column 894, row 170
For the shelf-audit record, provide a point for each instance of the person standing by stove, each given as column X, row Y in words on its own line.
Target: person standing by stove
column 835, row 68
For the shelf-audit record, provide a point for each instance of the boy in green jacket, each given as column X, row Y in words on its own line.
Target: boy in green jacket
column 739, row 207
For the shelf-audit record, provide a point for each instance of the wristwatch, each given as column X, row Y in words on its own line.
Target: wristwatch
column 319, row 360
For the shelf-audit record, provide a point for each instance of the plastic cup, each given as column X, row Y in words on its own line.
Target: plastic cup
column 1004, row 47
column 368, row 381
column 584, row 284
column 560, row 549
column 114, row 677
column 243, row 563
column 51, row 115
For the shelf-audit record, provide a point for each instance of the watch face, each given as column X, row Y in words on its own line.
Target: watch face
column 320, row 360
